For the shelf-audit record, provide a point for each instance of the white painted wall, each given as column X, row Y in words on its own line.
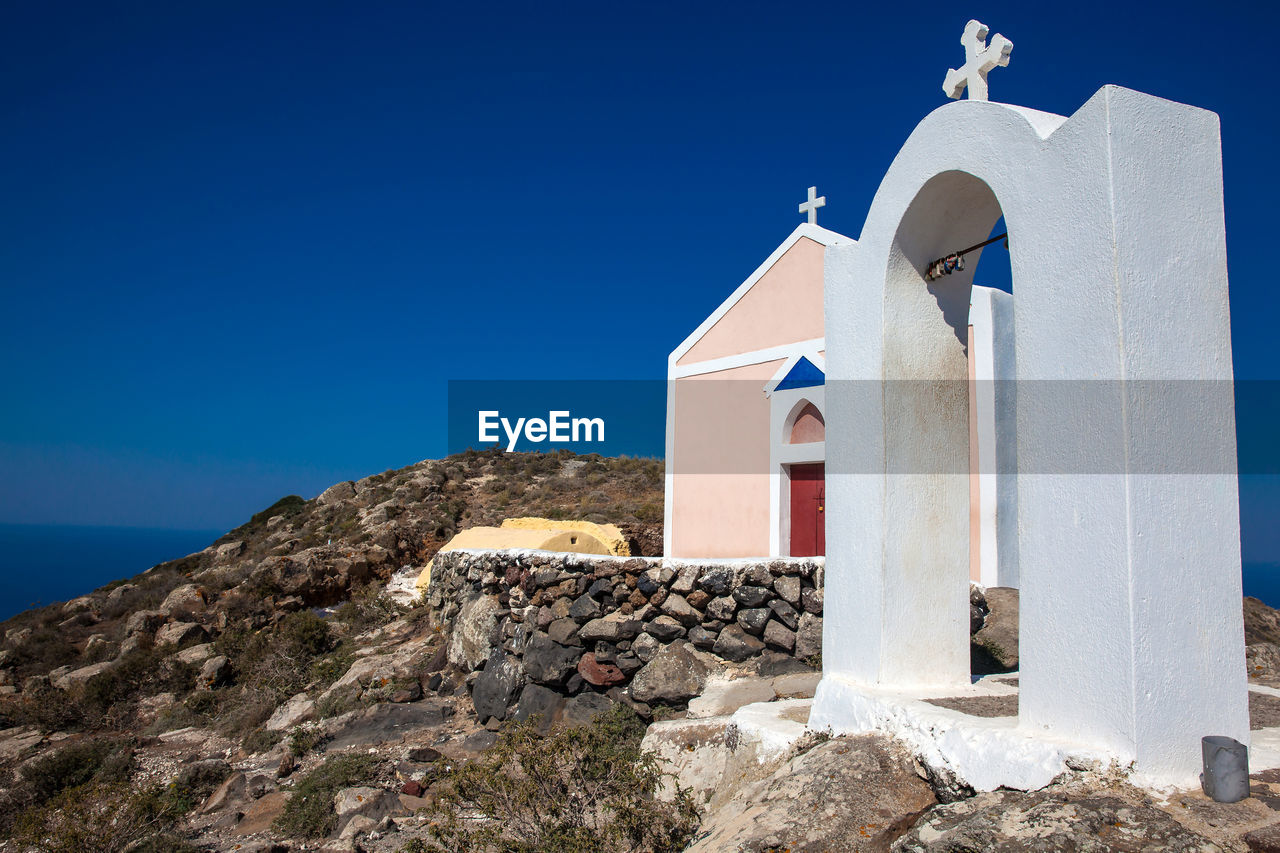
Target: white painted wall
column 991, row 315
column 1131, row 629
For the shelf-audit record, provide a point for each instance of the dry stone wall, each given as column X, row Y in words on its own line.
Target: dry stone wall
column 534, row 627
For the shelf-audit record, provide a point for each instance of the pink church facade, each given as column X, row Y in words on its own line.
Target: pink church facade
column 746, row 419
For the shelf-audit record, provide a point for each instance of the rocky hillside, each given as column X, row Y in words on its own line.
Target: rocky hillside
column 267, row 694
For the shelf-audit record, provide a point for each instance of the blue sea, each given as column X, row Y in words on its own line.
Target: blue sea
column 40, row 564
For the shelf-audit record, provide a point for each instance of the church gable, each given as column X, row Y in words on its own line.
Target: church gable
column 780, row 304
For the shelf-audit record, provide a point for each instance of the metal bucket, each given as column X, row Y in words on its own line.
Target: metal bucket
column 1226, row 769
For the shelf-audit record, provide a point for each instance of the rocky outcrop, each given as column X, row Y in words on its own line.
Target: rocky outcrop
column 848, row 794
column 999, row 634
column 1009, row 821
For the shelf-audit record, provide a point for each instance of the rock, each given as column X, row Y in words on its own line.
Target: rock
column 722, row 608
column 599, row 674
column 498, row 685
column 808, row 637
column 387, row 723
column 234, row 790
column 697, row 599
column 664, row 628
column 788, row 589
column 564, row 632
column 297, row 710
column 645, row 647
column 976, row 618
column 848, row 794
column 548, row 662
column 410, row 693
column 286, row 766
column 116, row 595
column 151, row 707
column 143, row 622
column 229, row 551
column 187, row 599
column 582, row 709
column 358, row 826
column 735, row 644
column 336, row 493
column 215, row 672
column 475, row 633
column 999, row 634
column 681, row 610
column 785, row 613
column 702, row 638
column 541, row 703
column 611, row 628
column 686, row 577
column 196, row 655
column 585, row 608
column 778, row 635
column 373, row 803
column 1046, row 820
column 674, row 676
column 1262, row 661
column 82, row 604
column 716, row 581
column 77, row 677
column 180, row 634
column 753, row 619
column 751, row 596
column 259, row 814
column 811, row 601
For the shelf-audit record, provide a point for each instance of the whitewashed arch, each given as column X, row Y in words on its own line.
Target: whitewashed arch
column 1131, row 627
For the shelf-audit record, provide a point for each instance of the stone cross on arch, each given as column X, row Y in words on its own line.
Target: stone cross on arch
column 980, row 58
column 811, row 206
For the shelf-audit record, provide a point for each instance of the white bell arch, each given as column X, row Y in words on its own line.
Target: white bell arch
column 1131, row 628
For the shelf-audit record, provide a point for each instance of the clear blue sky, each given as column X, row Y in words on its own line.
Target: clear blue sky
column 244, row 245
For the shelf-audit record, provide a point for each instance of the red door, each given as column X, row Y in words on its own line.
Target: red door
column 808, row 524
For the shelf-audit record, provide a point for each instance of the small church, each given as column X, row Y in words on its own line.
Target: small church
column 747, row 417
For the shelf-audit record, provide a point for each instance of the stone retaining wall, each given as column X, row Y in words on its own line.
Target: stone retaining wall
column 575, row 624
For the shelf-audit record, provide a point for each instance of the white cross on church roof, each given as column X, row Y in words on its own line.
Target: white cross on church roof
column 979, row 59
column 811, row 206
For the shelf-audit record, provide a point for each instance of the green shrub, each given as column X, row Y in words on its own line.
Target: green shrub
column 309, row 812
column 577, row 790
column 260, row 740
column 305, row 738
column 102, row 817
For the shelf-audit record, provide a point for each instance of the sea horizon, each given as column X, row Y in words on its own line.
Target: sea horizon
column 45, row 563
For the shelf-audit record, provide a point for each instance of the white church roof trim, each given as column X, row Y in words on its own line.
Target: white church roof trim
column 816, row 233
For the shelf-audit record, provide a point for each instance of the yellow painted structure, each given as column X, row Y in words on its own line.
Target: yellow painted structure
column 609, row 534
column 543, row 534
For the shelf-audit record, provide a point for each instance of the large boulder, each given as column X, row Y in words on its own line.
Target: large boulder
column 180, row 634
column 143, row 622
column 548, row 662
column 498, row 685
column 849, row 794
column 1009, row 821
column 337, row 493
column 475, row 633
column 999, row 634
column 674, row 676
column 736, row 645
column 185, row 600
